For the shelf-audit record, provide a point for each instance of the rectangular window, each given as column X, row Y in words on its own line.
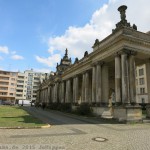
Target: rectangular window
column 3, row 83
column 141, row 81
column 2, row 93
column 141, row 72
column 143, row 100
column 3, row 88
column 12, row 84
column 14, row 74
column 4, row 78
column 136, row 81
column 21, row 86
column 142, row 90
column 12, row 89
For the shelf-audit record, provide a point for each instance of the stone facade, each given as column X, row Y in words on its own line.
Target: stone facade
column 109, row 68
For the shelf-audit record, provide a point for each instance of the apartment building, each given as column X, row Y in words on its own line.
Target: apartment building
column 15, row 86
column 141, row 84
column 27, row 84
column 21, row 86
column 8, row 82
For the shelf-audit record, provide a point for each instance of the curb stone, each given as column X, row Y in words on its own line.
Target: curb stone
column 40, row 127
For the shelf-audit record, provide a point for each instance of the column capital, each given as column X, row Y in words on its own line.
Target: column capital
column 93, row 64
column 97, row 63
column 117, row 54
column 75, row 76
column 84, row 72
column 100, row 63
column 133, row 52
column 126, row 51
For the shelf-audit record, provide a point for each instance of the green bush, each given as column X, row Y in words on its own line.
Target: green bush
column 53, row 106
column 65, row 107
column 84, row 109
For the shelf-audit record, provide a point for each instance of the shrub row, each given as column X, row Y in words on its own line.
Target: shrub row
column 82, row 109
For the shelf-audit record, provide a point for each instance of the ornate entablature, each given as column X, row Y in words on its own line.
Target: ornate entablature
column 122, row 24
column 64, row 64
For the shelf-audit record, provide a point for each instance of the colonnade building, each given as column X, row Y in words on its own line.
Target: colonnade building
column 107, row 75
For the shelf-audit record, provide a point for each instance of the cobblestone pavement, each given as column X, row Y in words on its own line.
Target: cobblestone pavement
column 76, row 133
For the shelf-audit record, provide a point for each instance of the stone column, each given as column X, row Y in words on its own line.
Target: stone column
column 62, row 92
column 118, row 79
column 66, row 93
column 124, row 69
column 77, row 89
column 87, row 87
column 50, row 94
column 69, row 91
column 74, row 89
column 53, row 93
column 105, row 84
column 98, row 82
column 148, row 80
column 46, row 95
column 83, row 88
column 93, row 84
column 132, row 78
column 59, row 89
column 42, row 95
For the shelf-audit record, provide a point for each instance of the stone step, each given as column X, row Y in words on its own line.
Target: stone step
column 107, row 114
column 146, row 120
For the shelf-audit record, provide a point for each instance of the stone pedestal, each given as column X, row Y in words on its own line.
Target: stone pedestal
column 98, row 110
column 128, row 113
column 148, row 111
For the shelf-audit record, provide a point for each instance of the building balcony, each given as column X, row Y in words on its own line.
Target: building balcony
column 20, row 83
column 2, row 90
column 19, row 92
column 4, row 75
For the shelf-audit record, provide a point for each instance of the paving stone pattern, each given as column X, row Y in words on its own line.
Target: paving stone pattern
column 77, row 133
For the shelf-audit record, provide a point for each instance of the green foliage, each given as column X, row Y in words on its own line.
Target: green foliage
column 84, row 109
column 65, row 107
column 53, row 106
column 13, row 116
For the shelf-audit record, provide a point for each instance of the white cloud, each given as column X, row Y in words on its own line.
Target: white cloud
column 4, row 49
column 50, row 61
column 44, row 70
column 1, row 58
column 17, row 57
column 13, row 52
column 81, row 39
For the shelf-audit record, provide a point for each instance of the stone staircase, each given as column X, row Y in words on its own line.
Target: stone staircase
column 107, row 113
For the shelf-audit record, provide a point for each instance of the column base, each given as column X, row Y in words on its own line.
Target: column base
column 128, row 113
column 117, row 104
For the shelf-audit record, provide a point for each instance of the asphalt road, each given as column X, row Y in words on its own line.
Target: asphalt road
column 70, row 132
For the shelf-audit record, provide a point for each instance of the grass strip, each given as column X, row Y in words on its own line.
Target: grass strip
column 15, row 116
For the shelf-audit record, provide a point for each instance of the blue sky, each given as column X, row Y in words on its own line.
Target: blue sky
column 35, row 33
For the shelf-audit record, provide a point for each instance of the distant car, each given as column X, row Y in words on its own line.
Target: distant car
column 24, row 102
column 7, row 103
